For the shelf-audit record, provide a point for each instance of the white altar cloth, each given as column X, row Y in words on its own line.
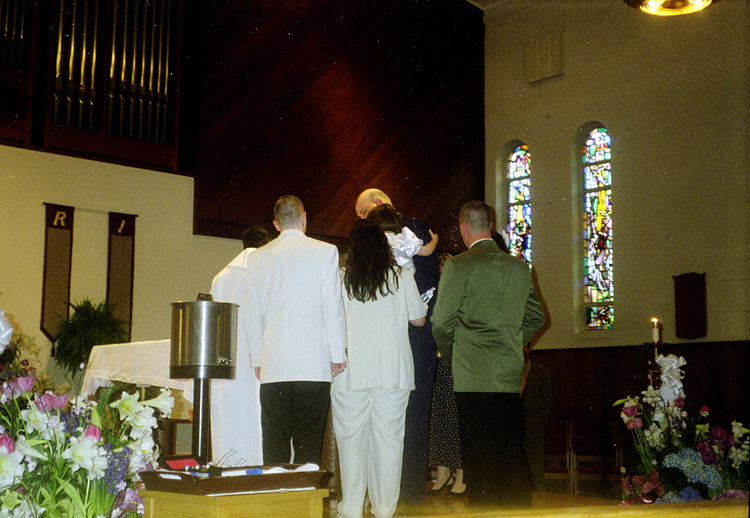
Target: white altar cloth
column 140, row 363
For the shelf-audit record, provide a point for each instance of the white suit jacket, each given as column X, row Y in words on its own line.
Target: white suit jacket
column 235, row 404
column 294, row 315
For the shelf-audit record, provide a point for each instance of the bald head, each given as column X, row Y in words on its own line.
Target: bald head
column 368, row 199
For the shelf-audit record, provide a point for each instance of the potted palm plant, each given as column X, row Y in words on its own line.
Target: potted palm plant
column 90, row 324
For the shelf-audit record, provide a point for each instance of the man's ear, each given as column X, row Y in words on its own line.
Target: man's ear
column 378, row 201
column 276, row 226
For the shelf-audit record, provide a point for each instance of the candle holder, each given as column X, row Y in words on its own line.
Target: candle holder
column 656, row 331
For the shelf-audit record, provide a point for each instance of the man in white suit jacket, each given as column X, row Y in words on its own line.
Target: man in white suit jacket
column 235, row 429
column 296, row 328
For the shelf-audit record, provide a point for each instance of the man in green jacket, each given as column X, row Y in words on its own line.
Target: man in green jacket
column 486, row 310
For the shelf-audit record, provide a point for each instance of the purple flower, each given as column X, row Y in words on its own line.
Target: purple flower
column 732, row 494
column 719, row 435
column 128, row 499
column 117, row 468
column 708, row 455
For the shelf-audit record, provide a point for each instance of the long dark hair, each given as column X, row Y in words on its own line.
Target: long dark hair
column 386, row 217
column 369, row 268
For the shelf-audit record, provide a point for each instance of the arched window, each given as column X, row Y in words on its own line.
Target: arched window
column 519, row 203
column 598, row 294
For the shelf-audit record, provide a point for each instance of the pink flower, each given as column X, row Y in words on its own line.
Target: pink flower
column 7, row 442
column 679, row 402
column 635, row 423
column 48, row 401
column 704, row 411
column 18, row 386
column 630, row 411
column 93, row 432
column 59, row 402
column 22, row 385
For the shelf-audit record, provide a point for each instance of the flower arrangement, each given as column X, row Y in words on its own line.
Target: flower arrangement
column 75, row 459
column 19, row 356
column 681, row 459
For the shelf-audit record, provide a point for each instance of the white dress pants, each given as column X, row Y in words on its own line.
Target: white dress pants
column 369, row 428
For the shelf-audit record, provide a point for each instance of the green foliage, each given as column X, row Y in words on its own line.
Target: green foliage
column 89, row 325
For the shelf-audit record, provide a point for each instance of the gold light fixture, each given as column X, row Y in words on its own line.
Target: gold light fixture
column 669, row 7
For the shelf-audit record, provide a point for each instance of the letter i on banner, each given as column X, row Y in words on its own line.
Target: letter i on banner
column 58, row 253
column 120, row 267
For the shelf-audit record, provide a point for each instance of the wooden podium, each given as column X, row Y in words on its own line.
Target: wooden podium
column 278, row 504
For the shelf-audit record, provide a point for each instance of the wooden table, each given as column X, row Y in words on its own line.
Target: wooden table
column 277, row 504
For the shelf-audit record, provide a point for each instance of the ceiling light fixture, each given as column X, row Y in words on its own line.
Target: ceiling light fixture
column 670, row 7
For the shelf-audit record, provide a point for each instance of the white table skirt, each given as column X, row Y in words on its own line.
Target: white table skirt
column 140, row 363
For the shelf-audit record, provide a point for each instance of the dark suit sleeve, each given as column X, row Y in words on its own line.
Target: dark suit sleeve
column 533, row 316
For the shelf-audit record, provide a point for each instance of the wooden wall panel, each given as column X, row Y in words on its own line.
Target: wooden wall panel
column 325, row 98
column 587, row 381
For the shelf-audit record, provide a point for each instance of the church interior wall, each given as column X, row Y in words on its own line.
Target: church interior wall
column 673, row 94
column 171, row 264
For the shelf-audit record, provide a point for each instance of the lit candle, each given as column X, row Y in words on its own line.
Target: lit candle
column 655, row 331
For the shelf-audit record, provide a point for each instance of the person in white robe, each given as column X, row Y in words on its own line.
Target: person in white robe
column 235, row 405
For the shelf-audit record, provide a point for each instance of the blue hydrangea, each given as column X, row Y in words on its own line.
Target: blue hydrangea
column 691, row 464
column 686, row 495
column 690, row 495
column 669, row 498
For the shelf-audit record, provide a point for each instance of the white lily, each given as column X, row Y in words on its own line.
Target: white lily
column 163, row 402
column 128, row 405
column 10, row 466
column 142, row 423
column 84, row 453
column 36, row 421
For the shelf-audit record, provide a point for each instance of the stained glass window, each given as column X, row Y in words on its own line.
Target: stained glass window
column 519, row 203
column 598, row 291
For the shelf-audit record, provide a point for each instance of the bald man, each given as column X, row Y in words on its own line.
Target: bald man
column 424, row 351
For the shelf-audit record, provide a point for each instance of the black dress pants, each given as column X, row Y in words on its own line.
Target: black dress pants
column 495, row 466
column 417, row 431
column 294, row 412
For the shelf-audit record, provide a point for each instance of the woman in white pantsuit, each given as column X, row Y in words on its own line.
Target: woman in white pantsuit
column 369, row 398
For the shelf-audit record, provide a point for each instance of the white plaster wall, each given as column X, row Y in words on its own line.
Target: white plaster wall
column 171, row 264
column 674, row 94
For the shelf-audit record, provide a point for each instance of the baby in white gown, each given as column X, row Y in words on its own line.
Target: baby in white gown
column 404, row 243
